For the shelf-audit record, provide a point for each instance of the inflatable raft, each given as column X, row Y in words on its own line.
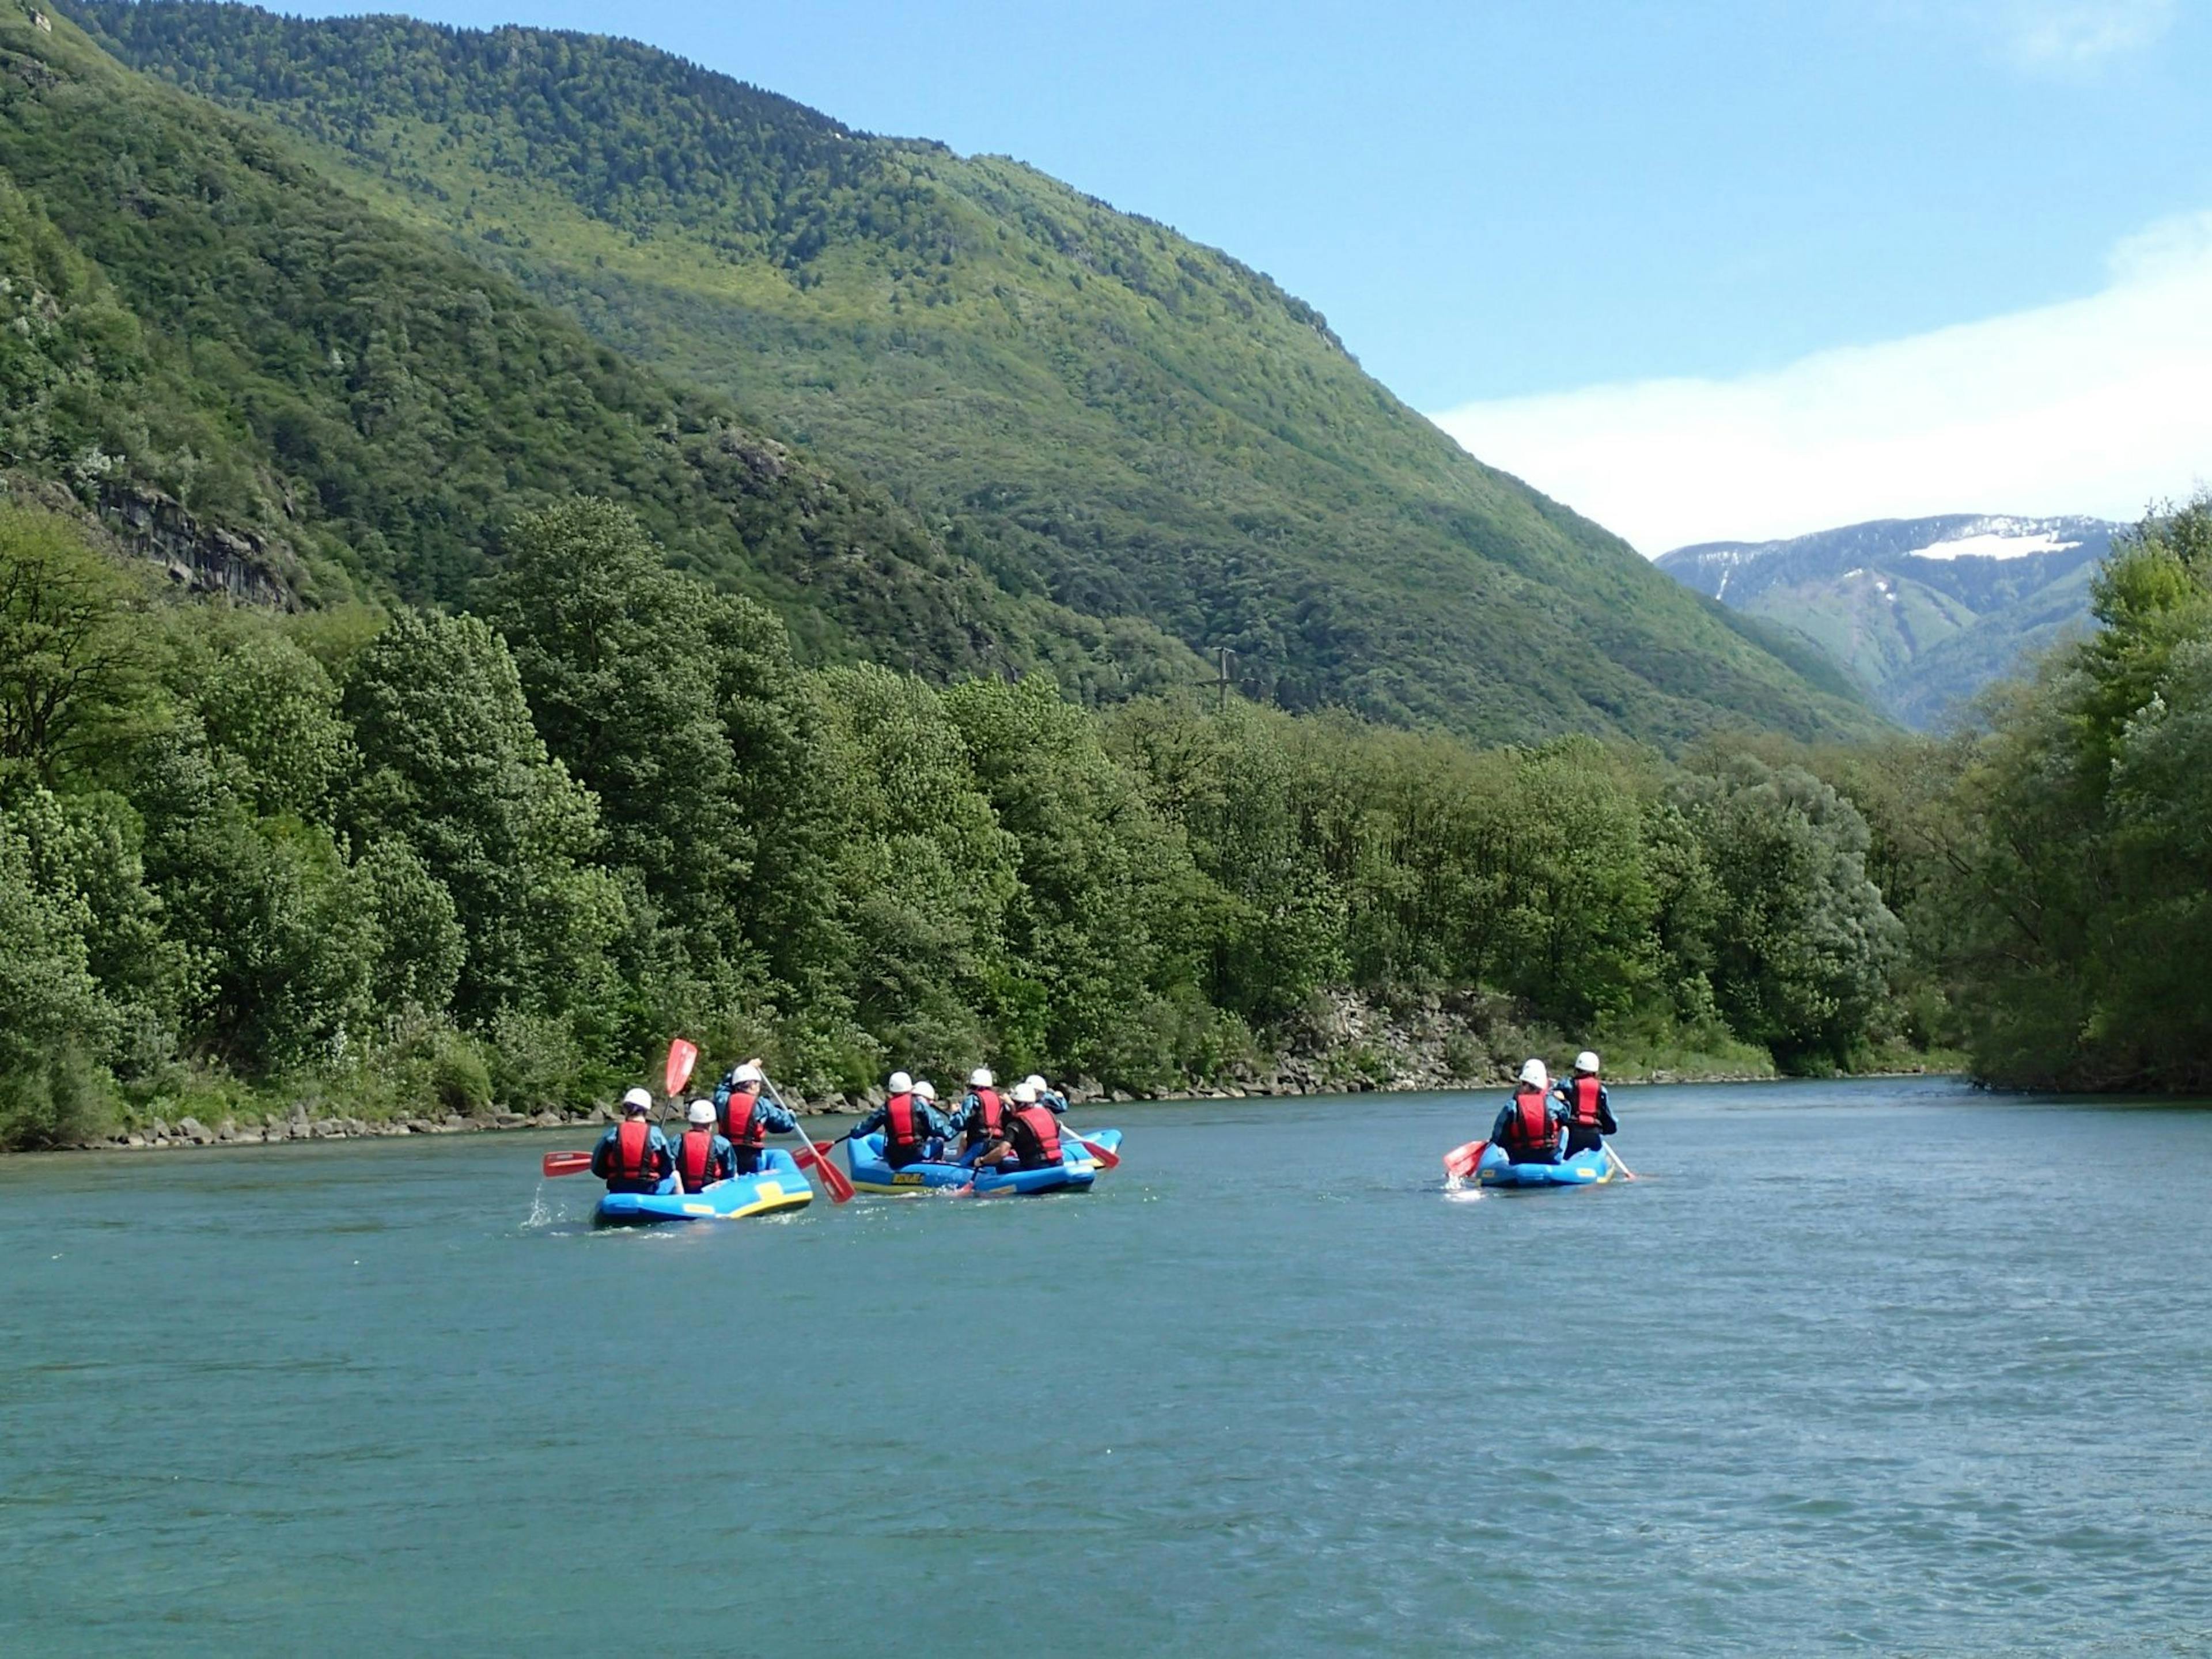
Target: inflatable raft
column 1076, row 1172
column 778, row 1185
column 1591, row 1169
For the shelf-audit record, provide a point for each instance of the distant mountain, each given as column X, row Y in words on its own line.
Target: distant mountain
column 1924, row 612
column 1099, row 413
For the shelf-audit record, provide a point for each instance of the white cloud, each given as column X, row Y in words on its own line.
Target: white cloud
column 2099, row 405
column 2067, row 35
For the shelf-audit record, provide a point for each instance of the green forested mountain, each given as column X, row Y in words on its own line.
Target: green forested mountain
column 194, row 322
column 1091, row 407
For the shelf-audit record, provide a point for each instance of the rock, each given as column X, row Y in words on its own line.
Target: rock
column 547, row 1120
column 193, row 1129
column 134, row 1140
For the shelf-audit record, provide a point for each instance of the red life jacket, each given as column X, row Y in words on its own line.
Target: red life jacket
column 1043, row 1132
column 694, row 1159
column 988, row 1112
column 1529, row 1129
column 903, row 1129
column 742, row 1123
column 1582, row 1108
column 634, row 1149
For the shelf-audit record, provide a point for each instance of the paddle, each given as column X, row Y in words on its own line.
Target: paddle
column 1619, row 1164
column 1462, row 1162
column 835, row 1180
column 682, row 1057
column 1106, row 1156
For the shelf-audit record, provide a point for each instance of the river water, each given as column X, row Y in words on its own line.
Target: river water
column 1876, row 1366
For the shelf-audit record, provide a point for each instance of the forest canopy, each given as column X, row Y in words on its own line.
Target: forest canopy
column 446, row 858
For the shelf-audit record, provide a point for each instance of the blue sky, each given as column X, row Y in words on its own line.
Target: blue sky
column 1525, row 216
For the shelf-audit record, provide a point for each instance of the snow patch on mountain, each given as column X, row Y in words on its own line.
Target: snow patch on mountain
column 2008, row 538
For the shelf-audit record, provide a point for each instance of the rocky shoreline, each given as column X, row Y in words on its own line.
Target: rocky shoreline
column 1342, row 1044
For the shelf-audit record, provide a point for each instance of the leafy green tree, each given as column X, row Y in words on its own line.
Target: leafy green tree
column 280, row 930
column 269, row 710
column 1804, row 941
column 54, row 1023
column 73, row 670
column 1093, row 921
column 618, row 657
column 924, row 873
column 452, row 766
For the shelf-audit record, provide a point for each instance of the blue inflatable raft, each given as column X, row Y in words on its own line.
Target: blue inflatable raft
column 1076, row 1172
column 1591, row 1169
column 778, row 1185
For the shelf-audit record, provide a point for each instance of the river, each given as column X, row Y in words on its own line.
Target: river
column 1878, row 1366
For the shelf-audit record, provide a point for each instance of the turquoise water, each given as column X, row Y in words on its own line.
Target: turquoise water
column 1877, row 1366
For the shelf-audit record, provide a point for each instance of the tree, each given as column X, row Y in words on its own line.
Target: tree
column 54, row 1023
column 1804, row 942
column 452, row 766
column 72, row 662
column 620, row 661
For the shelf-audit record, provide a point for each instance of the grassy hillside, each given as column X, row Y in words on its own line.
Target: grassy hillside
column 191, row 309
column 1090, row 406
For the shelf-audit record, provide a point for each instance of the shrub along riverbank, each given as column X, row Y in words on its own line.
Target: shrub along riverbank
column 374, row 866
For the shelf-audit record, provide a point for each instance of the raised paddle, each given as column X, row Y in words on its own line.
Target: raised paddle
column 568, row 1163
column 682, row 1057
column 835, row 1180
column 1462, row 1162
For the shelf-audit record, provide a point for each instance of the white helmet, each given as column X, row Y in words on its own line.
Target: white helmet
column 1025, row 1094
column 1533, row 1072
column 747, row 1073
column 926, row 1089
column 902, row 1084
column 638, row 1100
column 1037, row 1082
column 979, row 1077
column 1586, row 1060
column 703, row 1111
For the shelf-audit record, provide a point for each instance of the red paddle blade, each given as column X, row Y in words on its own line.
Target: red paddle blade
column 1461, row 1161
column 567, row 1163
column 835, row 1180
column 682, row 1057
column 1105, row 1157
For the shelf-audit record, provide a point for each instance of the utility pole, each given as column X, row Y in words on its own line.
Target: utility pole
column 1221, row 686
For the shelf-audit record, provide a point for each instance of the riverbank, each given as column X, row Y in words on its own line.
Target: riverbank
column 159, row 1134
column 1341, row 1042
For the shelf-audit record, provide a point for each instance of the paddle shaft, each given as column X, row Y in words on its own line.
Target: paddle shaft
column 835, row 1182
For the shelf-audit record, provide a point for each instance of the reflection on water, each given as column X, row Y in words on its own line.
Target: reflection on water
column 1888, row 1366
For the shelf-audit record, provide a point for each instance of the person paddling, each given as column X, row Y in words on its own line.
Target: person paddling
column 633, row 1156
column 1589, row 1111
column 982, row 1114
column 1033, row 1130
column 1048, row 1096
column 704, row 1156
column 746, row 1119
column 1527, row 1130
column 909, row 1123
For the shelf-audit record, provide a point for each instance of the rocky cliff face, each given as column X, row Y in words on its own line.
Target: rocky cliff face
column 200, row 557
column 136, row 521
